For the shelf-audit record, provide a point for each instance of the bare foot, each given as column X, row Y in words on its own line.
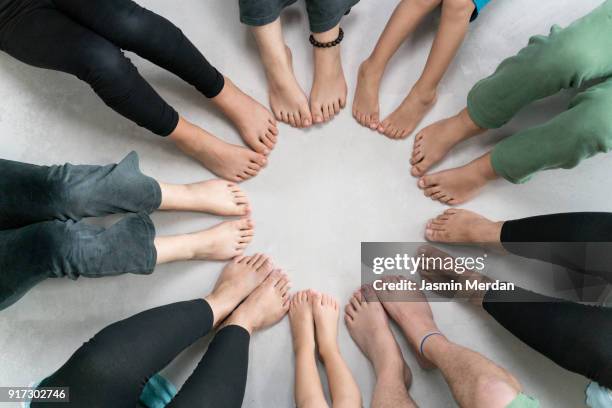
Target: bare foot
column 217, row 197
column 366, row 109
column 368, row 325
column 402, row 122
column 328, row 94
column 228, row 161
column 414, row 317
column 302, row 323
column 447, row 275
column 325, row 311
column 224, row 241
column 433, row 143
column 463, row 226
column 265, row 306
column 287, row 99
column 456, row 186
column 255, row 123
column 238, row 279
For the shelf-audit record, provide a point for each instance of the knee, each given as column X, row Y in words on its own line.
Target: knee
column 104, row 66
column 459, row 9
column 563, row 56
column 495, row 392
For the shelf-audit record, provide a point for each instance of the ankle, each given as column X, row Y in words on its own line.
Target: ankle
column 389, row 367
column 435, row 346
column 238, row 319
column 329, row 351
column 485, row 167
column 426, row 94
column 468, row 123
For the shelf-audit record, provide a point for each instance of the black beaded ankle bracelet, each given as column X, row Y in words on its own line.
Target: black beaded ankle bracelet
column 330, row 44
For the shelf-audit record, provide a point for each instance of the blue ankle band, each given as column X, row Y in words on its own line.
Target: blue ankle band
column 425, row 338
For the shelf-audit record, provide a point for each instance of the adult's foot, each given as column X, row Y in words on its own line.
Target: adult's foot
column 405, row 119
column 463, row 226
column 255, row 123
column 302, row 322
column 265, row 306
column 223, row 241
column 433, row 143
column 456, row 186
column 414, row 317
column 366, row 109
column 238, row 279
column 219, row 197
column 325, row 311
column 328, row 94
column 368, row 325
column 228, row 161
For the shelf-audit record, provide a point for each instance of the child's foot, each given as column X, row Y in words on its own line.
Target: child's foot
column 402, row 122
column 228, row 161
column 366, row 109
column 302, row 323
column 219, row 197
column 238, row 279
column 369, row 327
column 265, row 306
column 224, row 241
column 435, row 141
column 328, row 94
column 463, row 226
column 456, row 186
column 414, row 317
column 325, row 311
column 255, row 123
column 287, row 99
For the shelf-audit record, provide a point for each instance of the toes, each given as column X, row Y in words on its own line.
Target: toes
column 317, row 113
column 262, row 259
column 374, row 121
column 428, row 181
column 305, row 117
column 431, row 191
column 273, row 278
column 245, row 224
column 349, row 313
column 284, row 117
column 292, row 120
column 326, row 116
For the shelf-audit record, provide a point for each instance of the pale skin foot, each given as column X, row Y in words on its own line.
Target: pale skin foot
column 326, row 312
column 228, row 161
column 219, row 243
column 456, row 186
column 463, row 226
column 255, row 123
column 238, row 279
column 328, row 94
column 366, row 109
column 219, row 197
column 302, row 322
column 404, row 120
column 287, row 99
column 434, row 142
column 265, row 306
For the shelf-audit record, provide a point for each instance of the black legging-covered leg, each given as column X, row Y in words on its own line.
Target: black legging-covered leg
column 112, row 368
column 579, row 241
column 577, row 337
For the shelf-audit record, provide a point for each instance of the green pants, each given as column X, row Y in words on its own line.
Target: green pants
column 566, row 58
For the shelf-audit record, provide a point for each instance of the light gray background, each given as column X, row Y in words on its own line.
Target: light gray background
column 324, row 191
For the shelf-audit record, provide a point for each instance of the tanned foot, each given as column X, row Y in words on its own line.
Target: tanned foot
column 302, row 322
column 463, row 226
column 265, row 306
column 228, row 161
column 366, row 108
column 219, row 197
column 287, row 99
column 325, row 311
column 405, row 119
column 456, row 186
column 238, row 279
column 328, row 94
column 414, row 317
column 434, row 142
column 448, row 275
column 224, row 241
column 255, row 123
column 368, row 325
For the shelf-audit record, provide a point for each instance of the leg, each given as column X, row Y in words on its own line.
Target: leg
column 72, row 192
column 136, row 29
column 120, row 359
column 308, row 388
column 407, row 15
column 454, row 24
column 344, row 390
column 369, row 327
column 219, row 380
column 287, row 99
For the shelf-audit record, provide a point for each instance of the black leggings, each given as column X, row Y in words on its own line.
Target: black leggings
column 112, row 368
column 86, row 39
column 575, row 336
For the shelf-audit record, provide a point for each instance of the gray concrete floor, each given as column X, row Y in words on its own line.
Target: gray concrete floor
column 324, row 191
